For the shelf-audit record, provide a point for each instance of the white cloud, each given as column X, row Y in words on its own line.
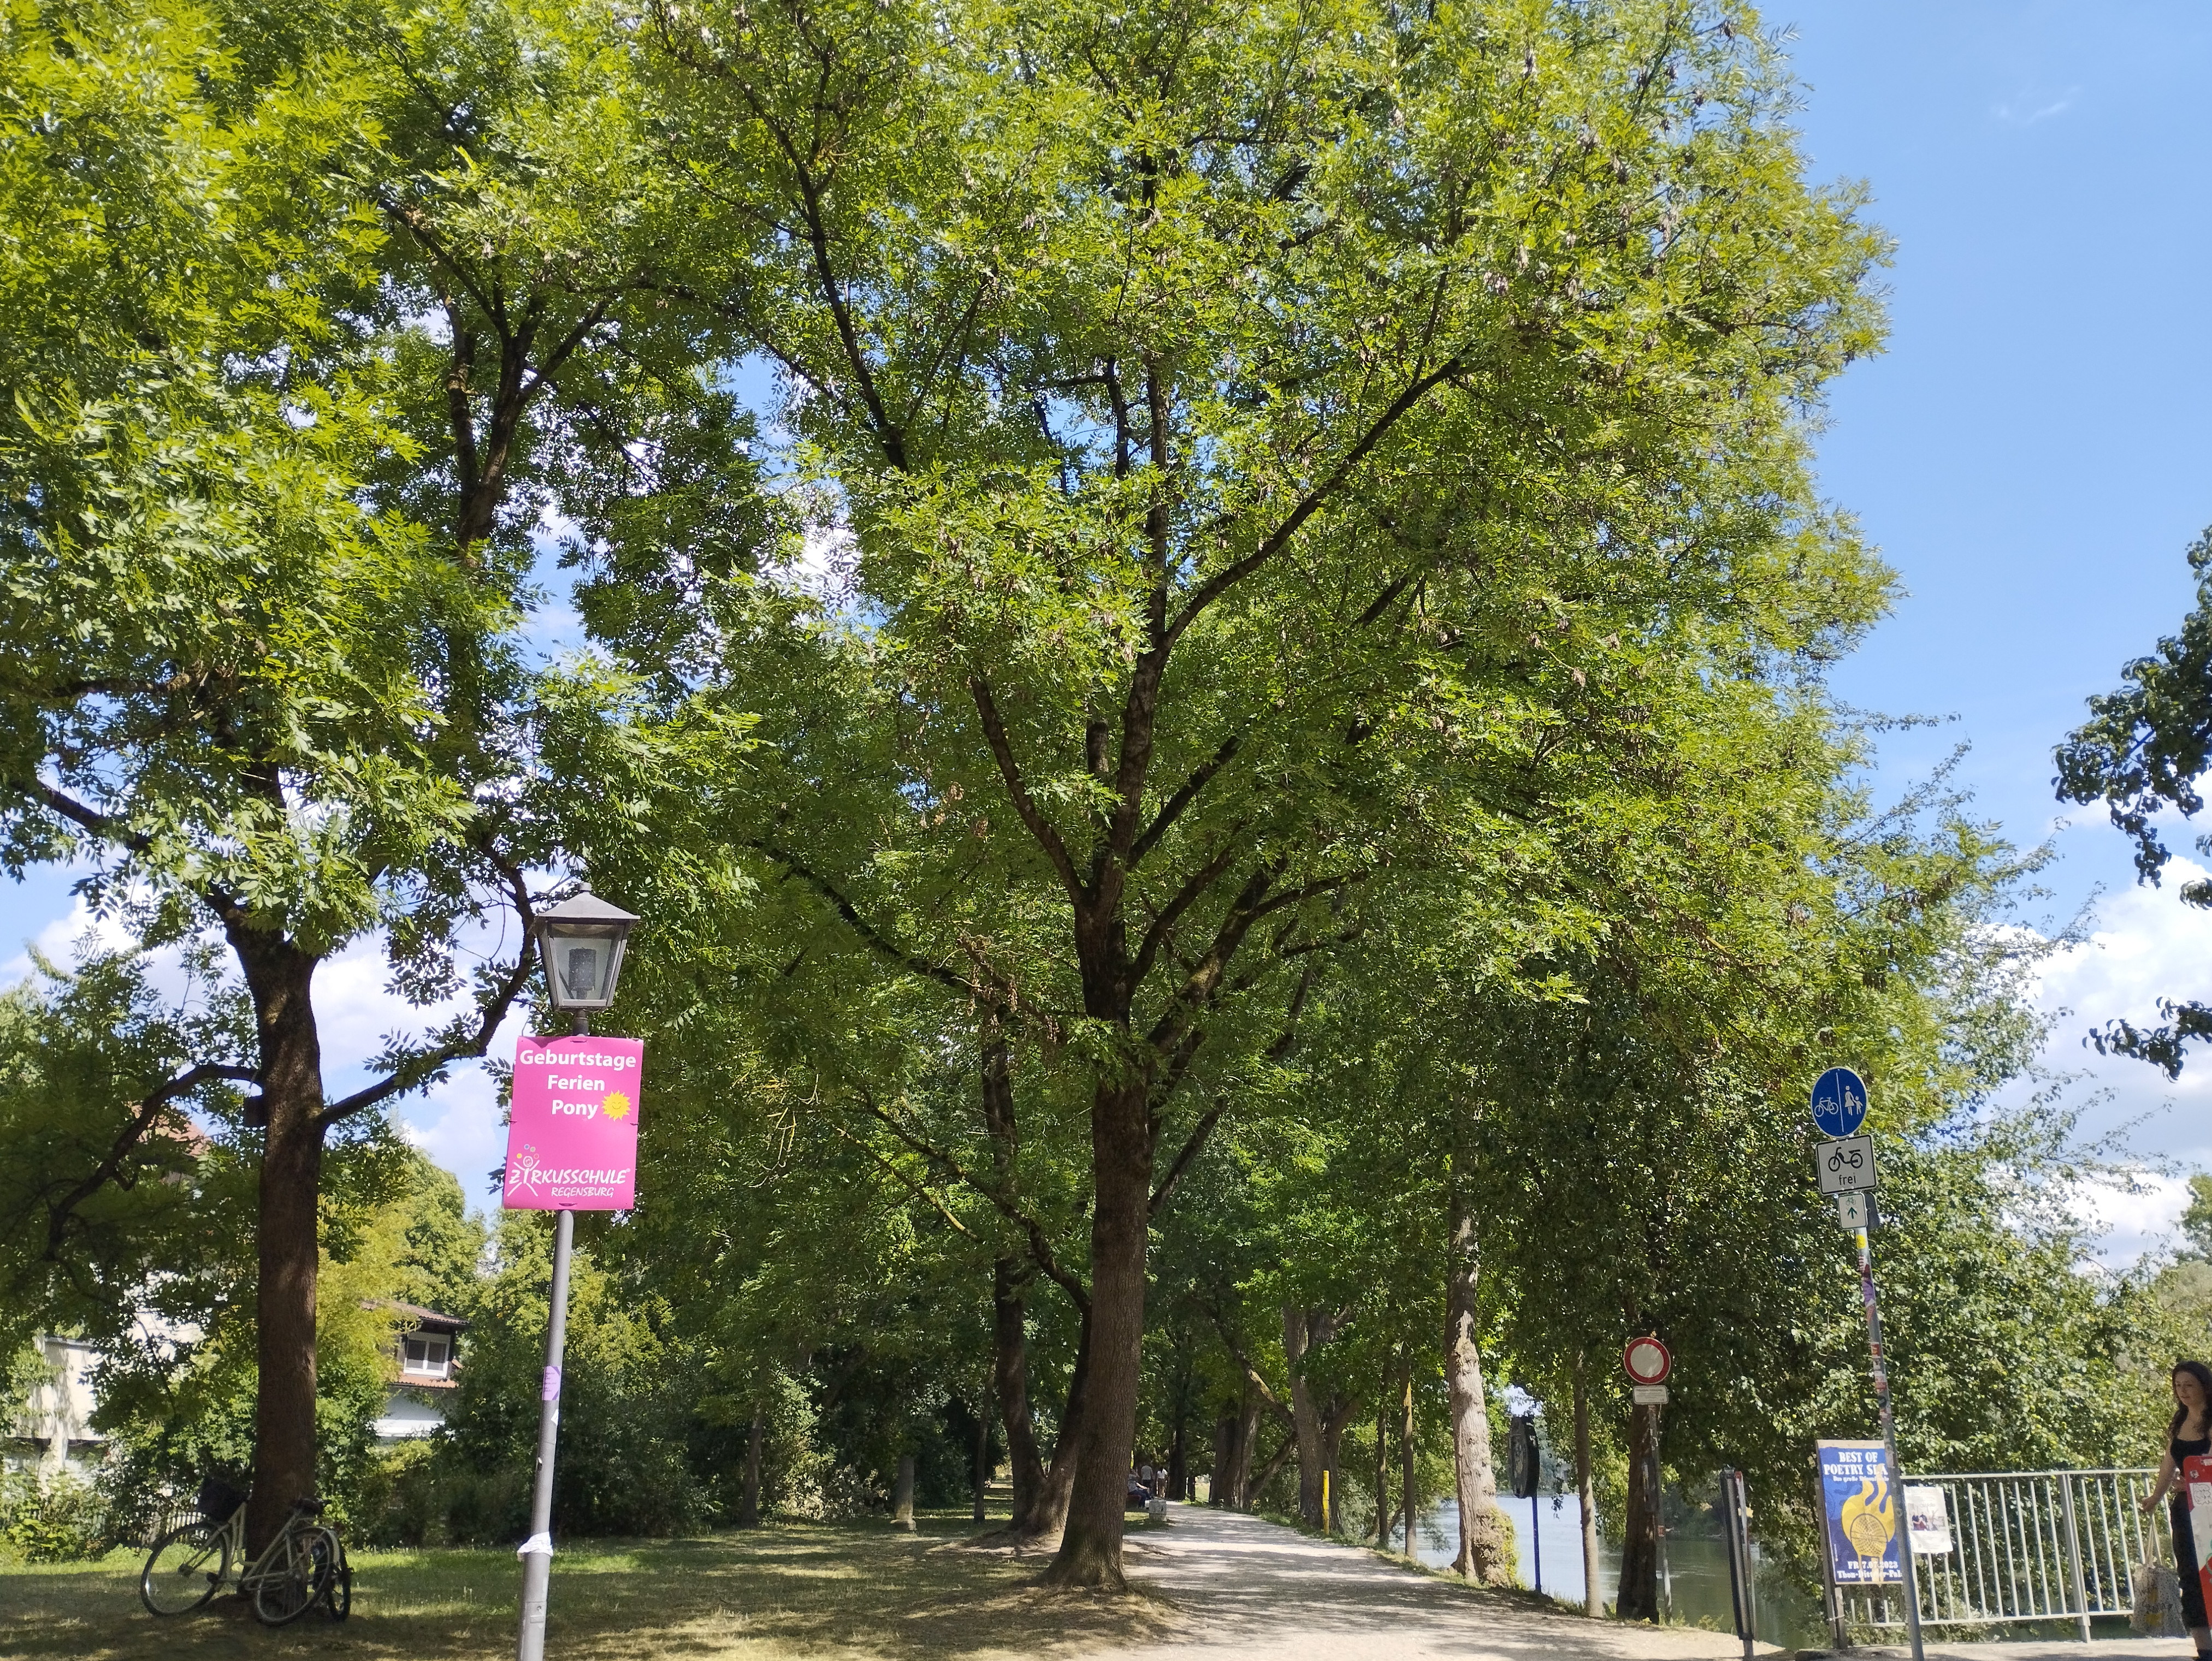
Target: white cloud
column 2145, row 944
column 57, row 940
column 2031, row 107
column 2129, row 1223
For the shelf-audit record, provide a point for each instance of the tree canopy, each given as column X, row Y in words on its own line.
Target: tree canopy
column 1203, row 644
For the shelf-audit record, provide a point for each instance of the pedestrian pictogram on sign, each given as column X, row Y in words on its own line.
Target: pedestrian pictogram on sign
column 1839, row 1102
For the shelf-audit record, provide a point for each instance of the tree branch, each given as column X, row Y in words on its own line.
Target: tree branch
column 58, row 1213
column 1311, row 503
column 1040, row 1249
column 421, row 1068
column 910, row 962
column 904, row 1180
column 1047, row 835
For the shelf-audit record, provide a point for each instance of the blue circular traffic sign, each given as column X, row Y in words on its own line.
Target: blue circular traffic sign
column 1839, row 1102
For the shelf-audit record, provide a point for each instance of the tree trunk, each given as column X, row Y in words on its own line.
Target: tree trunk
column 1638, row 1599
column 1412, row 1501
column 902, row 1493
column 1050, row 1516
column 1225, row 1453
column 1483, row 1537
column 1593, row 1598
column 278, row 977
column 1305, row 1330
column 1010, row 1369
column 982, row 1454
column 1248, row 1448
column 1178, row 1466
column 749, row 1502
column 1120, row 1221
column 1382, row 1512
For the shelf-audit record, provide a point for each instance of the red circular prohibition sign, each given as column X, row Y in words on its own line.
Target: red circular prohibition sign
column 1647, row 1361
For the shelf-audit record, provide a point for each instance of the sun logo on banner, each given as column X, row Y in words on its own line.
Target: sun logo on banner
column 615, row 1105
column 1866, row 1519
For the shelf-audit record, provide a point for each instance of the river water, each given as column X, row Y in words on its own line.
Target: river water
column 1695, row 1587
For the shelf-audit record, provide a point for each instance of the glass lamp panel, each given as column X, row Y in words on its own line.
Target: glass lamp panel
column 582, row 968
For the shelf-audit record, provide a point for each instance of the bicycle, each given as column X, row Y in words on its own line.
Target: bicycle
column 304, row 1565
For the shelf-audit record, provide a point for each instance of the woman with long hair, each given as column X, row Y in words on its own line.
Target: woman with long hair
column 2191, row 1432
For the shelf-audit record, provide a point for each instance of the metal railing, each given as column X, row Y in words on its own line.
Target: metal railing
column 2030, row 1545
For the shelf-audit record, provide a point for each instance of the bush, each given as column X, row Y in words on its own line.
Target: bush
column 628, row 1416
column 51, row 1519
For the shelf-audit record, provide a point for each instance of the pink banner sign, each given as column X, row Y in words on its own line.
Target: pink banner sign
column 572, row 1139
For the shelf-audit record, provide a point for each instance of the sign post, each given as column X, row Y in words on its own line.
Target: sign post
column 571, row 1146
column 1523, row 1467
column 1846, row 1167
column 1735, row 1520
column 1649, row 1363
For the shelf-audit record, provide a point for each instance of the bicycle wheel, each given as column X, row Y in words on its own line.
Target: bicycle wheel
column 184, row 1567
column 293, row 1579
column 337, row 1592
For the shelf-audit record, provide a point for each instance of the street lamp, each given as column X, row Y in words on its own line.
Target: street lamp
column 581, row 942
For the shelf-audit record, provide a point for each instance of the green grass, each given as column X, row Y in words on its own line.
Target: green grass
column 787, row 1590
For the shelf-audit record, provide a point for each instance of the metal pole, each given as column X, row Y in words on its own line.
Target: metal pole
column 1536, row 1540
column 1889, row 1445
column 536, row 1552
column 2074, row 1554
column 1737, row 1516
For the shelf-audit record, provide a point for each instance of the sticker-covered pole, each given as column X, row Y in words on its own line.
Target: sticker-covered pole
column 536, row 1552
column 1898, row 1511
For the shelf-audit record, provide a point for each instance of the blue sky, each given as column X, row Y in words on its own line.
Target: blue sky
column 2031, row 454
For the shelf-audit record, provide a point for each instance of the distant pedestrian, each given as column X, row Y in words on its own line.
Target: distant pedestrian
column 2190, row 1432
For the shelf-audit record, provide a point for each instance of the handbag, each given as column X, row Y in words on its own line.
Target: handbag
column 2156, row 1609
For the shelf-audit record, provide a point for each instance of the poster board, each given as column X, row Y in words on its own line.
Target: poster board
column 2196, row 1492
column 1929, row 1516
column 1858, row 1513
column 572, row 1134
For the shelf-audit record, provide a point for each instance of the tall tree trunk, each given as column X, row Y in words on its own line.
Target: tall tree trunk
column 1121, row 1223
column 1053, row 1498
column 1305, row 1330
column 1178, row 1466
column 1593, row 1598
column 1483, row 1539
column 983, row 1453
column 902, row 1493
column 1638, row 1599
column 1382, row 1512
column 1225, row 1445
column 1010, row 1373
column 1406, row 1456
column 749, row 1498
column 278, row 977
column 1247, row 1438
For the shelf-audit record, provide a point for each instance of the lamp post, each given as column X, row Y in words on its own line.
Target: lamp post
column 581, row 942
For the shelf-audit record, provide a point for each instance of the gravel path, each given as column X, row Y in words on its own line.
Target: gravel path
column 1248, row 1588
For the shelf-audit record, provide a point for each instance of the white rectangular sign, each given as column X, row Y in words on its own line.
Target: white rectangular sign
column 1845, row 1167
column 1855, row 1211
column 1929, row 1519
column 1650, row 1395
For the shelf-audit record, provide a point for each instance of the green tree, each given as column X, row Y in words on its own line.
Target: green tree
column 315, row 317
column 1197, row 396
column 2142, row 751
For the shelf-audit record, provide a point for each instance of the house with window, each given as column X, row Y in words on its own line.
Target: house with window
column 426, row 1362
column 53, row 1432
